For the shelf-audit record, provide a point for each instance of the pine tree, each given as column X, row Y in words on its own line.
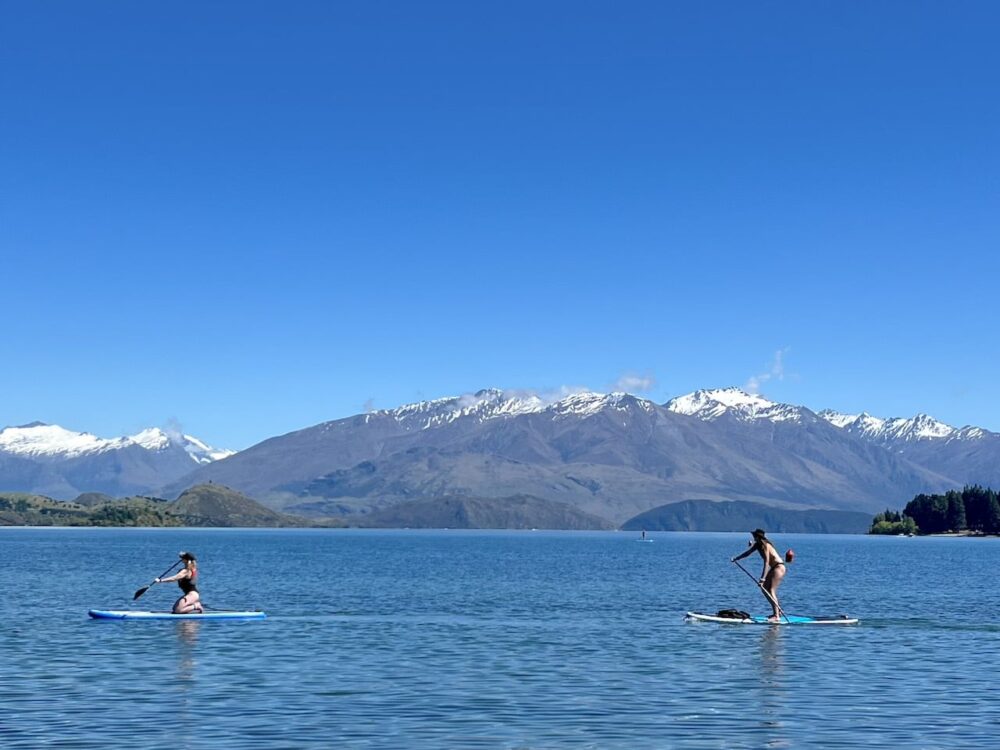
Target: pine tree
column 993, row 517
column 955, row 515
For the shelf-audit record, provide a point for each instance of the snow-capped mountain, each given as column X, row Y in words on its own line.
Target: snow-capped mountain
column 490, row 403
column 969, row 454
column 493, row 403
column 709, row 405
column 37, row 440
column 61, row 463
column 877, row 429
column 608, row 455
column 747, row 407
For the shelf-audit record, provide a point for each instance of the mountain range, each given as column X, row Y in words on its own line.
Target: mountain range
column 612, row 456
column 590, row 458
column 59, row 463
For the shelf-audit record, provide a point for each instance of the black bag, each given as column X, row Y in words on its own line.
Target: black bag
column 733, row 614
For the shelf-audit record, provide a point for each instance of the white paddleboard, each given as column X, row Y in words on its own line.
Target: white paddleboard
column 762, row 620
column 129, row 614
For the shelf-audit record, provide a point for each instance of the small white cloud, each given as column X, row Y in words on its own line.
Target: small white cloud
column 174, row 431
column 632, row 383
column 775, row 371
column 368, row 406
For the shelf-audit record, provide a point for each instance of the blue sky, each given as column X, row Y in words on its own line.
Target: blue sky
column 252, row 217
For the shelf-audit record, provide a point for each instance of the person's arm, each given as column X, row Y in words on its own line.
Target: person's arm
column 177, row 576
column 750, row 550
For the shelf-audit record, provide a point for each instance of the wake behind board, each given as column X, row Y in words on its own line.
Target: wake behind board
column 127, row 614
column 762, row 620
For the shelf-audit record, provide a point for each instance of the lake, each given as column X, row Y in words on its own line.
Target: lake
column 479, row 639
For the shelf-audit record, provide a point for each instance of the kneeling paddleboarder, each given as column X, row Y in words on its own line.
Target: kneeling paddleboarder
column 187, row 579
column 774, row 569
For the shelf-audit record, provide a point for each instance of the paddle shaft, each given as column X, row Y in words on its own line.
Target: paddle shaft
column 144, row 589
column 766, row 592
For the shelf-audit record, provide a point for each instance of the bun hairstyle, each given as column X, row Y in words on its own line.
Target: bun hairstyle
column 187, row 556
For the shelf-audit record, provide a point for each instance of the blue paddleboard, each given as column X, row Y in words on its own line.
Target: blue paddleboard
column 130, row 614
column 762, row 620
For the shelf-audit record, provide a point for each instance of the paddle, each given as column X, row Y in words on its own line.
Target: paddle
column 144, row 589
column 766, row 592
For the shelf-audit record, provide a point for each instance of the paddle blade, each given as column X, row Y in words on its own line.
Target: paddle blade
column 140, row 592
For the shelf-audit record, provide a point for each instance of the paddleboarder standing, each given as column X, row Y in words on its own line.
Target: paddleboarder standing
column 774, row 569
column 186, row 578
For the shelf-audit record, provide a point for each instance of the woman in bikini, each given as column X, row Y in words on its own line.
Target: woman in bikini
column 774, row 569
column 187, row 579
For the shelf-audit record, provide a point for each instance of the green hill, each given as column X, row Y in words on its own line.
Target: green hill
column 218, row 505
column 22, row 509
column 91, row 499
column 18, row 509
column 204, row 505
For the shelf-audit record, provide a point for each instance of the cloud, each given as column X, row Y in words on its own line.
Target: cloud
column 174, row 431
column 368, row 406
column 775, row 371
column 632, row 383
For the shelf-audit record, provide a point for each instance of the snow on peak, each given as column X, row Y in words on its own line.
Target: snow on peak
column 863, row 424
column 838, row 419
column 876, row 429
column 924, row 427
column 152, row 439
column 971, row 433
column 709, row 405
column 482, row 405
column 39, row 440
column 587, row 403
column 202, row 453
column 493, row 403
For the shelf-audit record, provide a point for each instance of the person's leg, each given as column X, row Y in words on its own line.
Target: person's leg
column 187, row 604
column 774, row 578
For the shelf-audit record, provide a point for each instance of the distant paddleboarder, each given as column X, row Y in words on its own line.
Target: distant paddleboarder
column 774, row 569
column 187, row 579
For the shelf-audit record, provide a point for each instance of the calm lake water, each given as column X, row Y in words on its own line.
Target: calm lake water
column 414, row 639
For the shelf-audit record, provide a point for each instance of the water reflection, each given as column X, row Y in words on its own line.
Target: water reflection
column 187, row 642
column 773, row 695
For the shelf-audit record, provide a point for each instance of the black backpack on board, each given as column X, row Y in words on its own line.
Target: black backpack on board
column 733, row 614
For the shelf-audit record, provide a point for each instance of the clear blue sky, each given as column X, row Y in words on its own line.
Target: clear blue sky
column 254, row 216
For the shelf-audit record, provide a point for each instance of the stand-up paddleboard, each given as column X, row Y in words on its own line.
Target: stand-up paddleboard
column 762, row 620
column 128, row 614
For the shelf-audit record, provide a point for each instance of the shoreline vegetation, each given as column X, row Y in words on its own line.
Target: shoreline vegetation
column 215, row 505
column 973, row 511
column 203, row 505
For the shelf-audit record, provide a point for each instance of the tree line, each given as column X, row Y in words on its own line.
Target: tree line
column 973, row 509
